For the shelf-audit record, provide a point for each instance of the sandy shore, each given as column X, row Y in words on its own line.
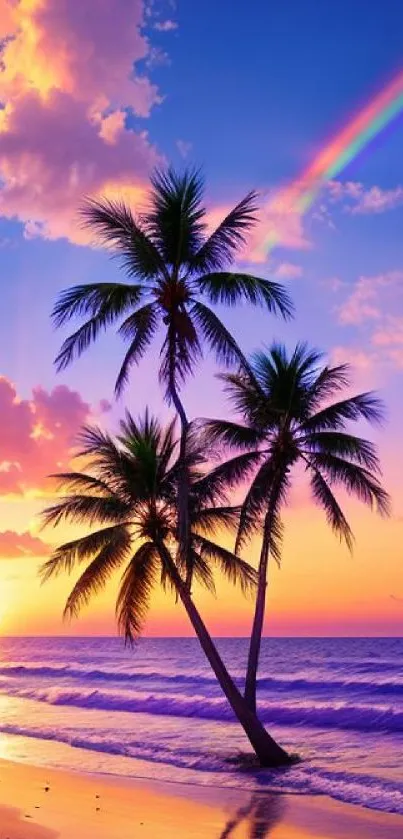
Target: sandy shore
column 37, row 803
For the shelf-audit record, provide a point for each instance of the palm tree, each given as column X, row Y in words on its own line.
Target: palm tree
column 290, row 419
column 174, row 271
column 130, row 489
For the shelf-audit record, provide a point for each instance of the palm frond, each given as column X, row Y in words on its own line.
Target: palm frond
column 175, row 218
column 85, row 509
column 139, row 328
column 73, row 481
column 232, row 289
column 202, row 572
column 355, row 479
column 80, row 340
column 109, row 299
column 135, row 590
column 180, row 351
column 66, row 556
column 327, row 383
column 221, row 247
column 217, row 336
column 208, row 520
column 365, row 406
column 268, row 490
column 114, row 225
column 235, row 569
column 98, row 572
column 111, row 463
column 230, row 434
column 215, row 486
column 341, row 444
column 249, row 399
column 334, row 514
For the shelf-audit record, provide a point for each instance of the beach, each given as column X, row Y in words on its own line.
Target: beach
column 155, row 712
column 38, row 803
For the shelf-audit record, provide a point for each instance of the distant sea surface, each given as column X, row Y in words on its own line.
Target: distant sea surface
column 156, row 712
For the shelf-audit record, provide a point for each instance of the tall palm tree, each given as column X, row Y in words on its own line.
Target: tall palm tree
column 292, row 415
column 130, row 489
column 174, row 270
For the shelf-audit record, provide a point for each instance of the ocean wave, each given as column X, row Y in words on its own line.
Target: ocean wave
column 286, row 684
column 340, row 715
column 214, row 768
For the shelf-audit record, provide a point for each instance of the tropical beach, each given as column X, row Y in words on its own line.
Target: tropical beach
column 84, row 807
column 201, row 626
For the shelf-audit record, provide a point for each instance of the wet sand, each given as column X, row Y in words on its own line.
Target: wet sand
column 37, row 803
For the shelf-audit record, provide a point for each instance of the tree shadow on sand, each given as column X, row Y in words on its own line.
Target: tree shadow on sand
column 261, row 815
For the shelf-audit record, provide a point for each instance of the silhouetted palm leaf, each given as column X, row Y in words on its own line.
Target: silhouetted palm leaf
column 136, row 479
column 135, row 591
column 285, row 422
column 99, row 571
column 167, row 253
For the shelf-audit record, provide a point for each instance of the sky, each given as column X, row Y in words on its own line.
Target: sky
column 251, row 93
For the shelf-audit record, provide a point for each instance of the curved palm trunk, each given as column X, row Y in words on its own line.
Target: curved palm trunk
column 183, row 489
column 257, row 628
column 266, row 749
column 258, row 620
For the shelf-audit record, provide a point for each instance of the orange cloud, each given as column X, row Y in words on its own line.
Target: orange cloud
column 69, row 79
column 37, row 435
column 21, row 545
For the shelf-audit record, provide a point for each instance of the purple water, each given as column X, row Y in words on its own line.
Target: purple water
column 157, row 712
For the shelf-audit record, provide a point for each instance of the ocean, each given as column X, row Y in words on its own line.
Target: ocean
column 155, row 711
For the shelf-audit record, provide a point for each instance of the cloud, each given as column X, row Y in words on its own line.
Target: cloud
column 396, row 599
column 37, row 435
column 165, row 25
column 369, row 298
column 19, row 545
column 359, row 359
column 287, row 270
column 278, row 225
column 70, row 80
column 358, row 200
column 333, row 284
column 184, row 148
column 371, row 306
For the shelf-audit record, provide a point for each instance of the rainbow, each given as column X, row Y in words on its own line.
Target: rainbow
column 299, row 196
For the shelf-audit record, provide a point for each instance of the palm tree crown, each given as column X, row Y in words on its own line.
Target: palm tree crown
column 173, row 266
column 291, row 417
column 130, row 489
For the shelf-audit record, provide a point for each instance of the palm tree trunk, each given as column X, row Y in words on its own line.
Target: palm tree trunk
column 269, row 753
column 280, row 473
column 257, row 628
column 183, row 489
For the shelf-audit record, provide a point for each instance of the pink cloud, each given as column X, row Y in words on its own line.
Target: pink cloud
column 278, row 225
column 37, row 436
column 70, row 77
column 287, row 270
column 369, row 297
column 333, row 284
column 390, row 333
column 361, row 201
column 359, row 359
column 20, row 545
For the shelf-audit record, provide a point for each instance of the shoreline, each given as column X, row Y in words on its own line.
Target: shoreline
column 42, row 803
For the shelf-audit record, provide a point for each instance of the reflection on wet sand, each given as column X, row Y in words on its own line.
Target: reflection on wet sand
column 259, row 817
